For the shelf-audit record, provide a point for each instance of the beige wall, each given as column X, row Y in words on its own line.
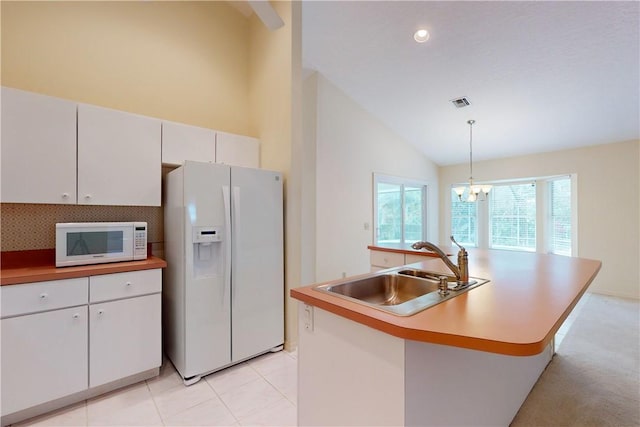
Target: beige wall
column 199, row 63
column 350, row 146
column 608, row 204
column 181, row 61
column 274, row 98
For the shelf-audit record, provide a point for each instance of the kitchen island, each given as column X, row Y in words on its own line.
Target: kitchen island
column 470, row 360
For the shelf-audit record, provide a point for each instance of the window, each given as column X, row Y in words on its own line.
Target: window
column 512, row 217
column 464, row 220
column 560, row 216
column 399, row 210
column 536, row 215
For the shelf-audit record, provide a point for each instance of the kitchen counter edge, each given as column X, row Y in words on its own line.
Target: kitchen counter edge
column 42, row 273
column 429, row 326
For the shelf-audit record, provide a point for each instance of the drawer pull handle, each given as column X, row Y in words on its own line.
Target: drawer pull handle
column 43, row 296
column 75, row 316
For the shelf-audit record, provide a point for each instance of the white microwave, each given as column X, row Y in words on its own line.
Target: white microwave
column 81, row 243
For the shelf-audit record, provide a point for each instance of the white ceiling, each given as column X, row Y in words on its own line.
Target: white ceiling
column 540, row 76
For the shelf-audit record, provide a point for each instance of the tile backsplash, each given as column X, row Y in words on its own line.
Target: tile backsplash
column 32, row 226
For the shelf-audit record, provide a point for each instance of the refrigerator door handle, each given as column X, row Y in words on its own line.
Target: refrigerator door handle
column 235, row 228
column 227, row 243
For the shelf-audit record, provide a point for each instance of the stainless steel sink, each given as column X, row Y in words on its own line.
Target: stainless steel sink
column 402, row 292
column 385, row 289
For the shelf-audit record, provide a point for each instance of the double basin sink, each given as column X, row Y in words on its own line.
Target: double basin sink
column 402, row 292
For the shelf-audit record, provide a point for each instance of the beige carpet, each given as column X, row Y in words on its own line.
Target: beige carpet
column 594, row 378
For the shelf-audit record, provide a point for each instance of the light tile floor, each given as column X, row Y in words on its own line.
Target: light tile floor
column 261, row 391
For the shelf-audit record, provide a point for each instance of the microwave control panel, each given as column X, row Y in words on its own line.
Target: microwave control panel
column 139, row 240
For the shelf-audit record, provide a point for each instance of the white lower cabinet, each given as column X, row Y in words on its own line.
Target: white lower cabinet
column 381, row 260
column 63, row 338
column 44, row 357
column 125, row 338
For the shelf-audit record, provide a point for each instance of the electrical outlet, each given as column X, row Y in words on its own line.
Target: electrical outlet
column 308, row 317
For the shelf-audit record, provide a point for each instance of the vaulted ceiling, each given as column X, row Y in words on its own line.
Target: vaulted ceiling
column 540, row 76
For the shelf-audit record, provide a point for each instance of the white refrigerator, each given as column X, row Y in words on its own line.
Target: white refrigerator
column 223, row 296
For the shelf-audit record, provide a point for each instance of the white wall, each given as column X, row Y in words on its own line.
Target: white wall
column 608, row 204
column 350, row 146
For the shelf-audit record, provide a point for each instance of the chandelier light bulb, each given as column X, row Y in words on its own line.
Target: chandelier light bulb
column 421, row 35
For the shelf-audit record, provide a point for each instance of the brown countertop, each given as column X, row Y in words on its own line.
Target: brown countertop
column 517, row 313
column 39, row 265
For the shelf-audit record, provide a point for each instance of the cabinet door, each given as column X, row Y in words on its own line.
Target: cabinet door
column 124, row 338
column 118, row 158
column 38, row 148
column 181, row 142
column 44, row 357
column 237, row 150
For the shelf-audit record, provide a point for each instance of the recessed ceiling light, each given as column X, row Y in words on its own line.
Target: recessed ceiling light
column 421, row 36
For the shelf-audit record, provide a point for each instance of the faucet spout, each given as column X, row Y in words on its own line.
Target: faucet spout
column 461, row 271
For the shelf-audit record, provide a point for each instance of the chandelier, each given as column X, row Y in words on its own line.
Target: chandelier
column 474, row 191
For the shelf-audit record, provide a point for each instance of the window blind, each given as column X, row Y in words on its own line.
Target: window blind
column 560, row 233
column 464, row 220
column 512, row 217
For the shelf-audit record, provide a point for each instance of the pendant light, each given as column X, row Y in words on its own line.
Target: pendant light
column 474, row 190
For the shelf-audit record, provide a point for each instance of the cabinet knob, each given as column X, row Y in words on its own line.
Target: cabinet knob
column 100, row 312
column 43, row 295
column 87, row 196
column 65, row 195
column 128, row 283
column 75, row 316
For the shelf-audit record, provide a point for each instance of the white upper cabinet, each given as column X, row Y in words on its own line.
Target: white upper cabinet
column 237, row 150
column 38, row 148
column 183, row 142
column 119, row 158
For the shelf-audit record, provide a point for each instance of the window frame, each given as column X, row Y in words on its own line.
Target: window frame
column 543, row 213
column 396, row 180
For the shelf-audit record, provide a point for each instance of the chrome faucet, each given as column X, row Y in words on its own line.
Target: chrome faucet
column 461, row 270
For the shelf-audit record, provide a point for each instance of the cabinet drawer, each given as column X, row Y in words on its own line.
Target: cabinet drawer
column 386, row 259
column 41, row 296
column 124, row 285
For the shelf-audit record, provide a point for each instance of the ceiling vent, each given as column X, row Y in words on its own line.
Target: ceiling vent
column 460, row 102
